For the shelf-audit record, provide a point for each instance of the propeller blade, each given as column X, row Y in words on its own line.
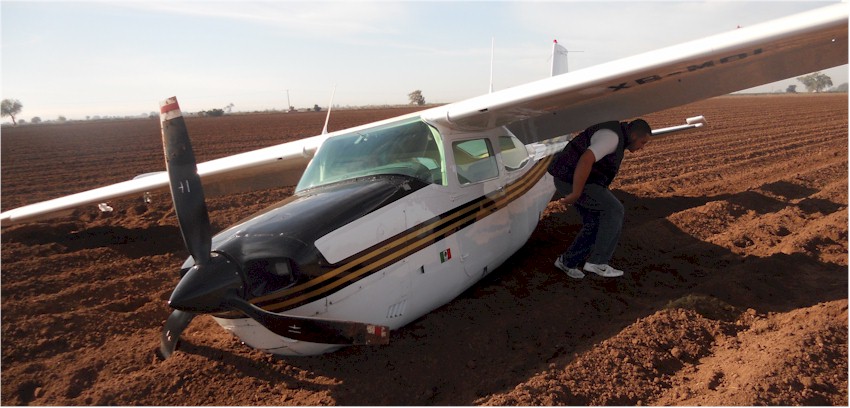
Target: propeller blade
column 177, row 321
column 186, row 189
column 313, row 329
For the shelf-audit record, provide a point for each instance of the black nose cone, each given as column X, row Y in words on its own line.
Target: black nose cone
column 205, row 288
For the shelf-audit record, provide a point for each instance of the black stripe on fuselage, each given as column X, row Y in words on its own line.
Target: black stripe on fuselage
column 398, row 247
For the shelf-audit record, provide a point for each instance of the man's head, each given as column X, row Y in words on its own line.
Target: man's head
column 637, row 134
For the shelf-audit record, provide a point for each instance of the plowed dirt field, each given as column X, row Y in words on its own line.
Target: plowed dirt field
column 735, row 293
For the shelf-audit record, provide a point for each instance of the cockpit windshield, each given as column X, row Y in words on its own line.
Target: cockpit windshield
column 410, row 148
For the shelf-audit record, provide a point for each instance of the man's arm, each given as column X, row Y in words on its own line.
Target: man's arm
column 585, row 163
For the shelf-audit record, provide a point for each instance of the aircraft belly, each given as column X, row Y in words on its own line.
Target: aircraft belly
column 484, row 244
column 371, row 299
column 255, row 335
column 438, row 276
column 429, row 276
column 405, row 291
column 525, row 212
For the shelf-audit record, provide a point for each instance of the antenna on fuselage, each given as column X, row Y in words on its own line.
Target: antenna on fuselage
column 288, row 103
column 328, row 117
column 492, row 52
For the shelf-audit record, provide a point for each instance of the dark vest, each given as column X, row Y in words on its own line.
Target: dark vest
column 604, row 170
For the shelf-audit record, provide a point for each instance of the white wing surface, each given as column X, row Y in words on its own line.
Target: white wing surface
column 279, row 165
column 660, row 79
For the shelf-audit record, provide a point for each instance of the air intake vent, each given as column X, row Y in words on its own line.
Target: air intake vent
column 396, row 310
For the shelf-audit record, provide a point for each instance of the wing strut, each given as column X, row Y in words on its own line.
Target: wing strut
column 690, row 123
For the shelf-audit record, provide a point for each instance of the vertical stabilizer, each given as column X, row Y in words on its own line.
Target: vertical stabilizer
column 559, row 59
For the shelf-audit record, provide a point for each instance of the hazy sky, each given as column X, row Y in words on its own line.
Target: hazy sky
column 81, row 59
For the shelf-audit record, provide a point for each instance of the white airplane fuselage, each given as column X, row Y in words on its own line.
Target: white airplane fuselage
column 404, row 258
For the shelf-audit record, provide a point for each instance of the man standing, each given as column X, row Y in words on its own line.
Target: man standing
column 583, row 172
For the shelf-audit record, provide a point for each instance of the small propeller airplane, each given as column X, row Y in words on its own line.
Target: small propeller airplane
column 393, row 219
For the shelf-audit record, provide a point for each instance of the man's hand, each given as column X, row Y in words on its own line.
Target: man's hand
column 585, row 163
column 571, row 198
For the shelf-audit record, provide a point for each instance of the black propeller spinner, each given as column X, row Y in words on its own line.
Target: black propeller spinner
column 215, row 283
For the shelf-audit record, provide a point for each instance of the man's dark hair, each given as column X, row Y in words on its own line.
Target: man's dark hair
column 640, row 126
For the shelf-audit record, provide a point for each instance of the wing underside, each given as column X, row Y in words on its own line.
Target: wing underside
column 661, row 79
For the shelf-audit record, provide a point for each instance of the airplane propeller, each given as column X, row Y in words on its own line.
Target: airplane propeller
column 215, row 283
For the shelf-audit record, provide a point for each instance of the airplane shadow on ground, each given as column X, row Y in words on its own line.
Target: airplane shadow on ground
column 526, row 314
column 130, row 242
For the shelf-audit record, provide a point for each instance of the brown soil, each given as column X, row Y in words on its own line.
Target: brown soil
column 735, row 247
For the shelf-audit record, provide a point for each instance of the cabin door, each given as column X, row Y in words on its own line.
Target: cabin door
column 479, row 195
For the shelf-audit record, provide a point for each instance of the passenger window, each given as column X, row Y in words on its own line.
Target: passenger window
column 474, row 161
column 514, row 153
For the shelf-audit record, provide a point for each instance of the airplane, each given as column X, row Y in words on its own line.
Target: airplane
column 393, row 219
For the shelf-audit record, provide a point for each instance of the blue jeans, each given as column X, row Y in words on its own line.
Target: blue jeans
column 602, row 220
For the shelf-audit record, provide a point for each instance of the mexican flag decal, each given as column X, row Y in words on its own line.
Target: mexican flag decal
column 445, row 255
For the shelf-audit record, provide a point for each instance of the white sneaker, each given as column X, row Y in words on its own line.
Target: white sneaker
column 602, row 270
column 571, row 272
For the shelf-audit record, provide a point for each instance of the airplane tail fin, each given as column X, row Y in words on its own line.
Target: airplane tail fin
column 559, row 59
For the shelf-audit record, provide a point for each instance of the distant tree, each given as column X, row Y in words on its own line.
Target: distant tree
column 291, row 109
column 214, row 112
column 62, row 118
column 791, row 89
column 416, row 98
column 10, row 107
column 35, row 119
column 229, row 107
column 815, row 81
column 316, row 108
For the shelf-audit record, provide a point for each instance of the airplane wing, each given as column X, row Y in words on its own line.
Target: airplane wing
column 550, row 107
column 273, row 166
column 661, row 79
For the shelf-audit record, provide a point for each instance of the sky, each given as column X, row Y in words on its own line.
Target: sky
column 120, row 58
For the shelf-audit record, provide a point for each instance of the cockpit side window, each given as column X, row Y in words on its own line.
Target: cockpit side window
column 514, row 153
column 410, row 148
column 474, row 160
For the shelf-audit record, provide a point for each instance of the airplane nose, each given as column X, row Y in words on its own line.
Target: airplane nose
column 205, row 288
